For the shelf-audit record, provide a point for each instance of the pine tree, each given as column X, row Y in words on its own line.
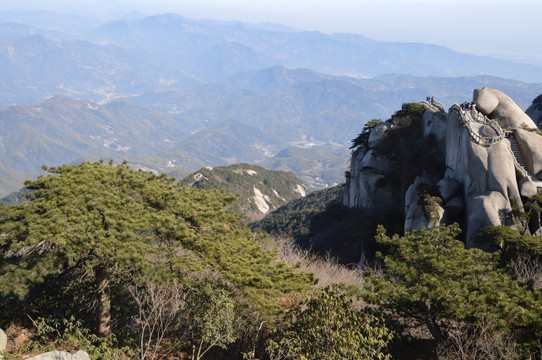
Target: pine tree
column 111, row 222
column 429, row 278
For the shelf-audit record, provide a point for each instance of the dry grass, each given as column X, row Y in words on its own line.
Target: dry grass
column 473, row 342
column 327, row 269
column 528, row 270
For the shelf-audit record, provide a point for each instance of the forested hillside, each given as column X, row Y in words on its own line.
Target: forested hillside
column 127, row 264
column 258, row 190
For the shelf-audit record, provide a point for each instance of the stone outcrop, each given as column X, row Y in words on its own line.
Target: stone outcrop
column 535, row 111
column 61, row 355
column 493, row 157
column 416, row 213
column 366, row 170
column 499, row 106
column 3, row 342
column 487, row 176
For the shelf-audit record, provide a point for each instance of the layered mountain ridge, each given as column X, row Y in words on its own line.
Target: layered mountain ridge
column 211, row 93
column 124, row 58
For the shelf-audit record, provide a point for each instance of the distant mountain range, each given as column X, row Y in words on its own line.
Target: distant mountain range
column 171, row 94
column 40, row 57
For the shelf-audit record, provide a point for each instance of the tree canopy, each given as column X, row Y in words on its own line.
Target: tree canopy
column 325, row 326
column 429, row 277
column 111, row 222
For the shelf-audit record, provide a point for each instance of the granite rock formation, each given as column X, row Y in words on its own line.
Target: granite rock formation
column 493, row 159
column 61, row 355
column 535, row 111
column 366, row 170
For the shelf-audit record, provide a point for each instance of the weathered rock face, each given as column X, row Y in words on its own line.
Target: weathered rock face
column 499, row 106
column 493, row 164
column 3, row 342
column 416, row 214
column 366, row 169
column 497, row 176
column 530, row 144
column 535, row 111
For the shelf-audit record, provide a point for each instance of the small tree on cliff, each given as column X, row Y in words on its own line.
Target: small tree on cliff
column 110, row 222
column 363, row 138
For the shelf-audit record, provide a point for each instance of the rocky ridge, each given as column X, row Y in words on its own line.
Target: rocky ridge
column 258, row 190
column 492, row 153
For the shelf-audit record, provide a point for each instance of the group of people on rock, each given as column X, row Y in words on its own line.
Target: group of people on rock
column 466, row 106
column 430, row 99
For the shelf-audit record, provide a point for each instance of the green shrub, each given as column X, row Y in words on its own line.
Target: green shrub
column 326, row 327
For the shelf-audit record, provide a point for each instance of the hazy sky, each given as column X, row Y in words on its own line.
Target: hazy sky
column 509, row 29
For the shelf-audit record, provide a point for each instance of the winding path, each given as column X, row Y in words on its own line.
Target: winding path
column 486, row 132
column 483, row 130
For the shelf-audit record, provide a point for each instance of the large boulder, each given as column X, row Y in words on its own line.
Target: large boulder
column 454, row 207
column 415, row 208
column 527, row 187
column 487, row 209
column 61, row 355
column 449, row 188
column 482, row 180
column 376, row 135
column 499, row 106
column 487, row 175
column 3, row 342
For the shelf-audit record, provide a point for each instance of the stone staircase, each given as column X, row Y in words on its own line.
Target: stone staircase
column 517, row 153
column 520, row 163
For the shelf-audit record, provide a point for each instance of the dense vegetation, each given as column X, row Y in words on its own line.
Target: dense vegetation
column 101, row 242
column 410, row 153
column 128, row 264
column 321, row 223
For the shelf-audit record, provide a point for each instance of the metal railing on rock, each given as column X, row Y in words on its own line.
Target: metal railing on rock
column 474, row 116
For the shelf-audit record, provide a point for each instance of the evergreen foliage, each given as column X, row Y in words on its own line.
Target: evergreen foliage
column 410, row 153
column 510, row 243
column 244, row 180
column 212, row 319
column 326, row 327
column 294, row 218
column 320, row 223
column 109, row 223
column 363, row 138
column 429, row 278
column 70, row 334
